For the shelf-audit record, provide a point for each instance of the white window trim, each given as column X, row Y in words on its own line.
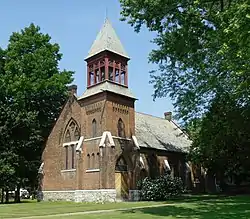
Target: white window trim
column 70, row 143
column 167, row 165
column 103, row 139
column 91, row 139
column 135, row 141
column 69, row 170
column 92, row 170
column 79, row 144
column 117, row 137
column 142, row 162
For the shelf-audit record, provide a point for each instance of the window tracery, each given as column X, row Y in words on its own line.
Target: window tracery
column 72, row 134
column 67, row 137
column 77, row 134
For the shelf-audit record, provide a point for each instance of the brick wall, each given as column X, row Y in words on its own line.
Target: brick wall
column 106, row 109
column 53, row 155
column 90, row 175
column 95, row 166
column 120, row 108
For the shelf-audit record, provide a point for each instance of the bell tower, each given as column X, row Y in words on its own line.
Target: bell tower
column 108, row 105
column 107, row 60
column 107, row 84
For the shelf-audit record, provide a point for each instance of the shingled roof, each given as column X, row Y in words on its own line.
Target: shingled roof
column 107, row 39
column 159, row 133
column 107, row 86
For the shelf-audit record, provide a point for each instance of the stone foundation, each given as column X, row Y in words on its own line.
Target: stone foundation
column 57, row 195
column 100, row 195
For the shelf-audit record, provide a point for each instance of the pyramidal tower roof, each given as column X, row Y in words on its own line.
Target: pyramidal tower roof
column 107, row 39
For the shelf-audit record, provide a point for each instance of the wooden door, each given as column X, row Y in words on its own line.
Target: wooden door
column 121, row 185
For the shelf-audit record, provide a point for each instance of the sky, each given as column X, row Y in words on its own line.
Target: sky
column 74, row 24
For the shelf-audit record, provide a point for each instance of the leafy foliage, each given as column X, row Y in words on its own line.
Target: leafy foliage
column 221, row 143
column 161, row 188
column 203, row 49
column 33, row 91
column 203, row 53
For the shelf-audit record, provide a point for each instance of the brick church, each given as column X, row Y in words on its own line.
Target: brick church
column 100, row 146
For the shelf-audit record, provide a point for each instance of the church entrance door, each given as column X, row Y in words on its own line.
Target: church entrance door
column 121, row 185
column 121, row 179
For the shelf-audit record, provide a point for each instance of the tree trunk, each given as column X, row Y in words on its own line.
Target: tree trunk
column 2, row 195
column 17, row 194
column 7, row 196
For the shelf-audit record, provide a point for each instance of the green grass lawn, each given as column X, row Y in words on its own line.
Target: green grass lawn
column 33, row 208
column 195, row 208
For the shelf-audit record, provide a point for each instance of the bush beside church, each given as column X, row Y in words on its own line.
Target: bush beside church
column 160, row 188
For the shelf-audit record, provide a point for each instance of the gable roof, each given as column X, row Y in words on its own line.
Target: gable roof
column 159, row 133
column 107, row 39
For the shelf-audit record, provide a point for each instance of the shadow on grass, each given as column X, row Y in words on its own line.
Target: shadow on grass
column 197, row 198
column 23, row 201
column 220, row 208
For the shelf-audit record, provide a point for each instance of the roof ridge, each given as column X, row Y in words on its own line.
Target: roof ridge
column 105, row 23
column 171, row 121
column 150, row 115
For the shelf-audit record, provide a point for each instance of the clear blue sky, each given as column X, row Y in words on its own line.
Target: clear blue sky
column 74, row 24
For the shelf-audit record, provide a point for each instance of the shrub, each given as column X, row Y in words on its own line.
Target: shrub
column 161, row 188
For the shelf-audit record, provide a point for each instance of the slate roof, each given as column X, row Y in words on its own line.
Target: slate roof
column 107, row 39
column 159, row 133
column 107, row 86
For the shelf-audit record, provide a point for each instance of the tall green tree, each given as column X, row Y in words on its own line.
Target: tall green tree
column 7, row 158
column 2, row 59
column 203, row 48
column 35, row 91
column 221, row 140
column 203, row 53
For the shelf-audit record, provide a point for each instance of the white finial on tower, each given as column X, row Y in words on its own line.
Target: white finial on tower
column 106, row 15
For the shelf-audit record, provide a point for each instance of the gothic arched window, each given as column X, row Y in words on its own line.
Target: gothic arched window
column 88, row 162
column 93, row 161
column 121, row 164
column 67, row 137
column 94, row 128
column 66, row 148
column 121, row 128
column 72, row 134
column 73, row 148
column 76, row 134
column 98, row 160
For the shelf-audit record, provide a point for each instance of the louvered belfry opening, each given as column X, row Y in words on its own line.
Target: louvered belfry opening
column 107, row 60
